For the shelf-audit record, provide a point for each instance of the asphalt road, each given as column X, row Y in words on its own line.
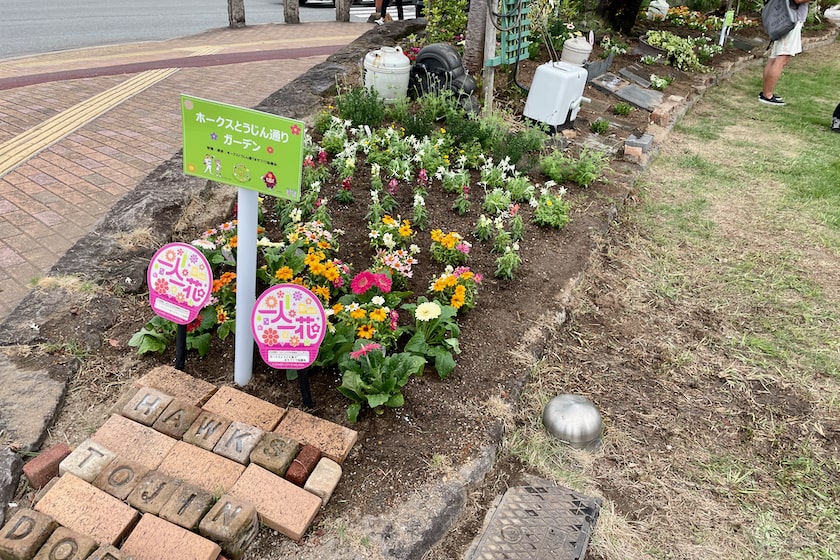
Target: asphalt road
column 38, row 26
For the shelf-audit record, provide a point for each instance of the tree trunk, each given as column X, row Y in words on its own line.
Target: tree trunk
column 291, row 11
column 342, row 10
column 621, row 14
column 474, row 46
column 236, row 13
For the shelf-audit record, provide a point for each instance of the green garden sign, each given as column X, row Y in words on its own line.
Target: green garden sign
column 242, row 147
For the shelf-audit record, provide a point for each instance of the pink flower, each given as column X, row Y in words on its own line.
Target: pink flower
column 395, row 316
column 322, row 157
column 345, row 183
column 309, row 161
column 362, row 282
column 364, row 349
column 382, row 282
column 295, row 129
column 463, row 248
column 422, row 177
column 392, row 187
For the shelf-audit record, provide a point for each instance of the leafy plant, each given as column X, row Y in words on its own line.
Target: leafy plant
column 370, row 378
column 456, row 287
column 361, row 106
column 600, row 126
column 622, row 109
column 680, row 51
column 660, row 82
column 583, row 170
column 436, row 333
column 508, row 263
column 551, row 210
column 450, row 248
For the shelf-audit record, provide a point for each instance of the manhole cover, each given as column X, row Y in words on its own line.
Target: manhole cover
column 538, row 523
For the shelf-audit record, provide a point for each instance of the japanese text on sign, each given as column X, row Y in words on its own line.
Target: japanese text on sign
column 288, row 324
column 180, row 281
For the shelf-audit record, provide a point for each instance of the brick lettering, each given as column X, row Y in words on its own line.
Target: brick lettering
column 91, row 453
column 226, row 513
column 149, row 496
column 208, row 427
column 147, row 405
column 21, row 529
column 174, row 419
column 64, row 549
column 238, row 436
column 187, row 503
column 121, row 476
column 274, row 447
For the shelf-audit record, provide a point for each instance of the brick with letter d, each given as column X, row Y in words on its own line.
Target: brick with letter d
column 24, row 534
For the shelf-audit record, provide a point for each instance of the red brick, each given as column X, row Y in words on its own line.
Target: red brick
column 157, row 539
column 213, row 473
column 242, row 407
column 281, row 505
column 44, row 467
column 178, row 384
column 24, row 533
column 303, row 465
column 333, row 440
column 132, row 441
column 87, row 510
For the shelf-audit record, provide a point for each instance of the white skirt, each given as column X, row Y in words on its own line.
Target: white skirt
column 790, row 44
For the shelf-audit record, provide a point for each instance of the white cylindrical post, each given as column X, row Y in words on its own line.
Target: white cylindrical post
column 246, row 281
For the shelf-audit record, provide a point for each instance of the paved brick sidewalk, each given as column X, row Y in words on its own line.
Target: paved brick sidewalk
column 180, row 470
column 71, row 146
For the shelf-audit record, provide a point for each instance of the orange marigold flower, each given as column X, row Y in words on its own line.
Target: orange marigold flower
column 284, row 274
column 234, row 241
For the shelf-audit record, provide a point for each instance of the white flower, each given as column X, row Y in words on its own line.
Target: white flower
column 413, row 249
column 378, row 300
column 427, row 311
column 296, row 215
column 388, row 240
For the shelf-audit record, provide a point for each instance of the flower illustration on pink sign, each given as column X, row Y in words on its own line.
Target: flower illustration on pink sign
column 180, row 282
column 289, row 324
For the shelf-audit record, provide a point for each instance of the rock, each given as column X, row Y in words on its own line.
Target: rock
column 10, row 468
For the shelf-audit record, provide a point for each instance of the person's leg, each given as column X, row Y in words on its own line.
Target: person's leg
column 377, row 5
column 383, row 12
column 400, row 10
column 772, row 73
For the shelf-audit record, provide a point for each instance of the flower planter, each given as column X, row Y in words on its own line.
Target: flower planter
column 598, row 67
column 646, row 49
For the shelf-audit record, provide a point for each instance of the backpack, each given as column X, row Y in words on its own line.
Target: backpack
column 779, row 17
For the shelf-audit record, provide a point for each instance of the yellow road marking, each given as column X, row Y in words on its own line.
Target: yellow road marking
column 29, row 143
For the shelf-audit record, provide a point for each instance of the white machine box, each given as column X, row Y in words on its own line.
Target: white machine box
column 556, row 94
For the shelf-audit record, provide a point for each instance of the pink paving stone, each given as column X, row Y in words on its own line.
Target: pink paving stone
column 242, row 407
column 178, row 384
column 210, row 472
column 157, row 539
column 108, row 552
column 74, row 503
column 333, row 440
column 44, row 467
column 281, row 505
column 132, row 441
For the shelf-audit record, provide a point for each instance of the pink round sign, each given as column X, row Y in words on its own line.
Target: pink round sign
column 180, row 282
column 289, row 324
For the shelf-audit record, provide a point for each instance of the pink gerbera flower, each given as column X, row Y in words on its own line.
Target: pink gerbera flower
column 362, row 282
column 364, row 349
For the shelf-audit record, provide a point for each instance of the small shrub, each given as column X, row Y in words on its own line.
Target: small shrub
column 622, row 109
column 600, row 126
column 583, row 170
column 361, row 106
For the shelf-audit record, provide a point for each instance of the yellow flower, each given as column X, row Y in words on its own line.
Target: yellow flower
column 379, row 314
column 358, row 314
column 456, row 301
column 439, row 285
column 284, row 274
column 389, row 221
column 365, row 331
column 405, row 229
column 437, row 235
column 221, row 314
column 337, row 308
column 548, row 203
column 322, row 292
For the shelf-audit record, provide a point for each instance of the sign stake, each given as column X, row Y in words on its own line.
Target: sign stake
column 246, row 284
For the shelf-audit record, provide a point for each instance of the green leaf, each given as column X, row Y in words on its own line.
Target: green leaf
column 148, row 341
column 353, row 412
column 375, row 401
column 444, row 362
column 396, row 401
column 201, row 343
